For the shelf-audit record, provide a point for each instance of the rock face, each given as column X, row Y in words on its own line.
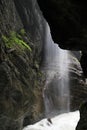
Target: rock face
column 82, row 124
column 21, row 43
column 83, row 62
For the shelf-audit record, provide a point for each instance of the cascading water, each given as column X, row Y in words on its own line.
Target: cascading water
column 56, row 91
column 56, row 66
column 64, row 91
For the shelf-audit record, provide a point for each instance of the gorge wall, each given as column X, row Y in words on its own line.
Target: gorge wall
column 21, row 81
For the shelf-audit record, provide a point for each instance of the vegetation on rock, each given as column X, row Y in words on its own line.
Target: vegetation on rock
column 21, row 82
column 14, row 40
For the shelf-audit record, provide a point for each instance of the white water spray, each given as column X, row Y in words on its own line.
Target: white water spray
column 67, row 121
column 64, row 76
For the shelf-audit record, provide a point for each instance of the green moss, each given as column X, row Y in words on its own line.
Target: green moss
column 14, row 40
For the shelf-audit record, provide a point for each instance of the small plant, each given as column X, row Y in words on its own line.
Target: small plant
column 14, row 40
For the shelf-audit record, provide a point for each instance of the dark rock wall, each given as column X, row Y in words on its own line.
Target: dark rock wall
column 70, row 18
column 82, row 124
column 83, row 62
column 9, row 17
column 20, row 78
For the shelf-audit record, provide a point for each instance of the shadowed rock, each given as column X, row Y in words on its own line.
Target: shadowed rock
column 82, row 124
column 68, row 23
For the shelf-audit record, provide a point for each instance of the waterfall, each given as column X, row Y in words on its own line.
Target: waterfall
column 64, row 92
column 55, row 66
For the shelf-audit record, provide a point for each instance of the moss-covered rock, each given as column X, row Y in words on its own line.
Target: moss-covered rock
column 15, row 42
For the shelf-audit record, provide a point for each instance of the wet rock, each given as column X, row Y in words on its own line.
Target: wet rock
column 64, row 94
column 82, row 124
column 20, row 83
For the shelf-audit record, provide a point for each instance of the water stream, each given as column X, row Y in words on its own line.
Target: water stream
column 56, row 91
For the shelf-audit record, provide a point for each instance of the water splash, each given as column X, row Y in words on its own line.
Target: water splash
column 67, row 121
